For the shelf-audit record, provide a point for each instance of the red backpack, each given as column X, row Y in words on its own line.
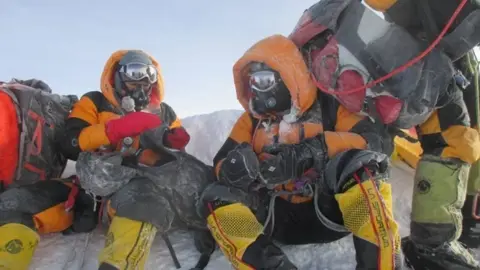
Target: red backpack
column 31, row 116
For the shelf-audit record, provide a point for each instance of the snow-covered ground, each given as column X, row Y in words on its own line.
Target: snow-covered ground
column 57, row 252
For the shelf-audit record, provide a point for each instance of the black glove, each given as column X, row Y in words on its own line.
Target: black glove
column 291, row 161
column 240, row 167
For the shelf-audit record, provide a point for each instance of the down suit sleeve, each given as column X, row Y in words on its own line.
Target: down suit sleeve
column 241, row 133
column 84, row 128
column 356, row 132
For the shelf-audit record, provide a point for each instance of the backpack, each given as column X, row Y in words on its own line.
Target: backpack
column 347, row 46
column 31, row 116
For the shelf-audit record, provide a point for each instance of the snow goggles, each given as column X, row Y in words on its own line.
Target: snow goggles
column 263, row 81
column 139, row 71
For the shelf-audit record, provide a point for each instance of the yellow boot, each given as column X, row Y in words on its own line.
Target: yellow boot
column 240, row 237
column 17, row 245
column 127, row 245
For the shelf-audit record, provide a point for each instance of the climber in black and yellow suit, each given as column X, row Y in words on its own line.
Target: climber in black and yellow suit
column 98, row 121
column 286, row 134
column 451, row 133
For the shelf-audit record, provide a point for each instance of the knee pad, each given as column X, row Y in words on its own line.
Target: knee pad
column 339, row 169
column 141, row 200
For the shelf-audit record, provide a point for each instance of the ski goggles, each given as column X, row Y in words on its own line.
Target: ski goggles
column 138, row 72
column 263, row 81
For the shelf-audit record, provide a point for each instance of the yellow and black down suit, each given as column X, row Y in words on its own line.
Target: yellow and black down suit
column 447, row 180
column 236, row 216
column 449, row 167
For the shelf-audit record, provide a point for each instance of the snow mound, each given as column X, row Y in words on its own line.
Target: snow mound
column 208, row 132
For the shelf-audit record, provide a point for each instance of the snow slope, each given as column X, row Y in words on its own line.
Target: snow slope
column 57, row 252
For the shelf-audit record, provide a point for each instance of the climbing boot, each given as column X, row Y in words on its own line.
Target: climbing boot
column 240, row 237
column 17, row 245
column 128, row 244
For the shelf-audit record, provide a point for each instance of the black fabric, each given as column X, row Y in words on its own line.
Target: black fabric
column 240, row 168
column 85, row 217
column 297, row 224
column 227, row 146
column 291, row 161
column 471, row 226
column 19, row 205
column 143, row 201
column 433, row 144
column 454, row 112
column 166, row 113
column 469, row 94
column 340, row 169
column 366, row 251
column 263, row 254
column 68, row 143
column 442, row 258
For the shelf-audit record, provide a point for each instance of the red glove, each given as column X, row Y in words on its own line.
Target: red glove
column 131, row 125
column 176, row 138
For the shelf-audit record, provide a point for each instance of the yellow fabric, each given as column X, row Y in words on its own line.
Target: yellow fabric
column 17, row 245
column 234, row 228
column 128, row 243
column 407, row 151
column 367, row 213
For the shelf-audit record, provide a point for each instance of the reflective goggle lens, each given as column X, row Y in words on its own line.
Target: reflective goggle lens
column 263, row 81
column 139, row 71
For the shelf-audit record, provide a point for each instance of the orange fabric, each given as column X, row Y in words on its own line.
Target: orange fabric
column 380, row 5
column 148, row 157
column 176, row 124
column 341, row 141
column 108, row 73
column 53, row 219
column 93, row 137
column 9, row 140
column 281, row 54
column 463, row 142
column 86, row 110
column 242, row 130
column 346, row 120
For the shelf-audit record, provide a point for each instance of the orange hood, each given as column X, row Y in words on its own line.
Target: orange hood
column 281, row 54
column 106, row 85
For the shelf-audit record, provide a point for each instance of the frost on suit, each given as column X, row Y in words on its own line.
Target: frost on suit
column 163, row 195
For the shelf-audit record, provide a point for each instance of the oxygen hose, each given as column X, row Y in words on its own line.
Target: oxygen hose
column 400, row 68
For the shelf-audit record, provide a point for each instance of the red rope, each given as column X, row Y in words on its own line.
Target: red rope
column 400, row 68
